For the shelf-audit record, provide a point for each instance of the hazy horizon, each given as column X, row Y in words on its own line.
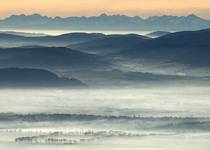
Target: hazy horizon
column 142, row 8
column 102, row 13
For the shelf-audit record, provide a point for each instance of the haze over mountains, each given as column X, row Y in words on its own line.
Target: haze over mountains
column 113, row 60
column 14, row 40
column 156, row 34
column 106, row 22
column 187, row 44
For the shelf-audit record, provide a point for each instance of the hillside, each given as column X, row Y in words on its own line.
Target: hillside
column 14, row 40
column 21, row 77
column 188, row 47
column 49, row 58
column 110, row 43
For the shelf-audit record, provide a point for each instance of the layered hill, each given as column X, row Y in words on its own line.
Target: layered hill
column 27, row 77
column 58, row 58
column 110, row 43
column 187, row 47
column 15, row 40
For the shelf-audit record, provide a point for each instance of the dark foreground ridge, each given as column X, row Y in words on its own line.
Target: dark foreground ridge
column 48, row 58
column 25, row 77
column 187, row 47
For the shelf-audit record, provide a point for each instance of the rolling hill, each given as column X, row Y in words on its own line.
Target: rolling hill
column 49, row 58
column 27, row 77
column 188, row 47
column 110, row 43
column 13, row 40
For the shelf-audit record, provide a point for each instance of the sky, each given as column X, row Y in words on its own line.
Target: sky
column 143, row 8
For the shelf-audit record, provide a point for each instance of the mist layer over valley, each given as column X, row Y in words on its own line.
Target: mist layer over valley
column 99, row 91
column 105, row 117
column 113, row 60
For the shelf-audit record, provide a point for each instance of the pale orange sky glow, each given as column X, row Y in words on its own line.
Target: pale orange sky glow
column 142, row 8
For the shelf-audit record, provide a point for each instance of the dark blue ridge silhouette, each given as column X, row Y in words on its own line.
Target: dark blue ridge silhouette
column 110, row 43
column 187, row 47
column 49, row 57
column 16, row 77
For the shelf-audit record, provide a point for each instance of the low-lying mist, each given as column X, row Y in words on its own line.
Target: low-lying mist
column 148, row 101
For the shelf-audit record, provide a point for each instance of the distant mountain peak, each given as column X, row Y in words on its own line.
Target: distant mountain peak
column 193, row 16
column 36, row 14
column 106, row 22
column 23, row 16
column 103, row 15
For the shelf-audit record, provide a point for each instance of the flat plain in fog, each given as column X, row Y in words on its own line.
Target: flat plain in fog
column 142, row 118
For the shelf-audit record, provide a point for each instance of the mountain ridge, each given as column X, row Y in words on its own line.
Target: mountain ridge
column 49, row 58
column 31, row 77
column 186, row 47
column 110, row 43
column 56, row 41
column 106, row 22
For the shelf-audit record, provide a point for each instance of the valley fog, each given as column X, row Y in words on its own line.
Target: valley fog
column 112, row 80
column 189, row 101
column 59, row 32
column 147, row 118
